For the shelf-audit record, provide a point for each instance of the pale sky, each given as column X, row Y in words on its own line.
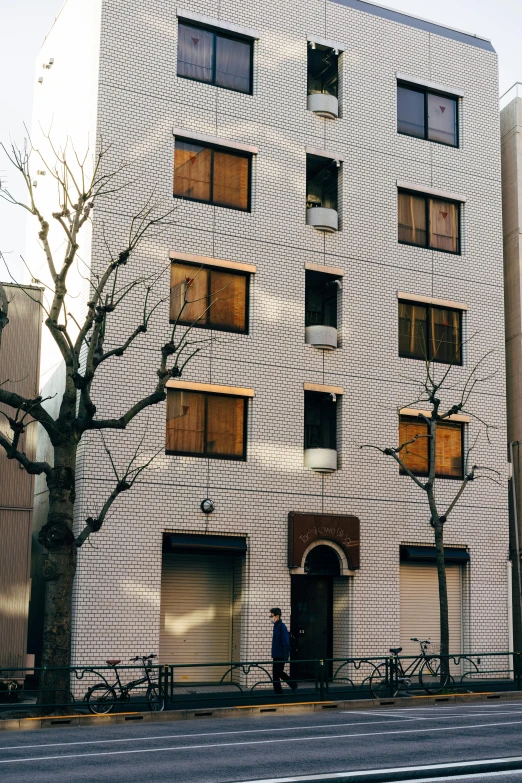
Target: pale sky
column 24, row 24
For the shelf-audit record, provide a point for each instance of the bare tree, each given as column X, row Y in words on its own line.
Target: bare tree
column 4, row 307
column 434, row 414
column 81, row 185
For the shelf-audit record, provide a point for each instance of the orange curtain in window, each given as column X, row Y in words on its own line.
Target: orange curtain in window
column 228, row 300
column 448, row 450
column 192, row 165
column 445, row 335
column 444, row 225
column 188, row 286
column 412, row 219
column 415, row 455
column 230, row 180
column 185, row 422
column 225, row 417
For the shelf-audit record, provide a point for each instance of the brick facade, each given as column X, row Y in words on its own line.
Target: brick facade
column 139, row 99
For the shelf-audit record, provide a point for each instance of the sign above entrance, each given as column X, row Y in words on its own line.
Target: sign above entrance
column 305, row 529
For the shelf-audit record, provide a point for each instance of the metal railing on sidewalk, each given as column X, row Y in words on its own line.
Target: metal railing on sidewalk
column 101, row 689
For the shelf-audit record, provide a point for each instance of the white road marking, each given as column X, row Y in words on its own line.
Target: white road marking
column 258, row 742
column 201, row 734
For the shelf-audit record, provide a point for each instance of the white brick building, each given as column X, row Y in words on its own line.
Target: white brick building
column 131, row 94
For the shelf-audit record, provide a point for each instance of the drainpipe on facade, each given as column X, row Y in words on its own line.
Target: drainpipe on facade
column 515, row 527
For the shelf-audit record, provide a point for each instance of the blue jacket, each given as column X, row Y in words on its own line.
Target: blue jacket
column 280, row 641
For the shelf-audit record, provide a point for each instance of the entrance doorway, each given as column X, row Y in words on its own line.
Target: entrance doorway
column 312, row 611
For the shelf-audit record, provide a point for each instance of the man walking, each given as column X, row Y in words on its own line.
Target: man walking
column 280, row 652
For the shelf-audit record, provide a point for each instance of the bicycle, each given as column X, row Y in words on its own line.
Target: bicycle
column 386, row 680
column 102, row 697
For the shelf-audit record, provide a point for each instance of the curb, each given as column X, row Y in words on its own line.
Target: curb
column 260, row 710
column 431, row 772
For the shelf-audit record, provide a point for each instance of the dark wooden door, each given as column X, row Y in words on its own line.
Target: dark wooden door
column 311, row 622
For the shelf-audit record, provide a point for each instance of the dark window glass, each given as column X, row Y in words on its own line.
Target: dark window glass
column 207, row 56
column 320, row 421
column 410, row 112
column 210, row 425
column 208, row 297
column 427, row 115
column 448, row 449
column 323, row 71
column 233, row 59
column 321, row 293
column 428, row 222
column 211, row 175
column 321, row 182
column 429, row 332
column 195, row 53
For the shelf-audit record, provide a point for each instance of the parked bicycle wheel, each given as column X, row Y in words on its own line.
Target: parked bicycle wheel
column 379, row 685
column 101, row 699
column 431, row 677
column 154, row 699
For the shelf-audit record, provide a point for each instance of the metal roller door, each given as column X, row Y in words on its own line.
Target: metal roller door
column 196, row 613
column 420, row 615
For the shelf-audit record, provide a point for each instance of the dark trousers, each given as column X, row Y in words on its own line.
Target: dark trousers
column 278, row 674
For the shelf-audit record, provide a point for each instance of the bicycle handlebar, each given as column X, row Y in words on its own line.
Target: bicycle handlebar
column 142, row 658
column 420, row 641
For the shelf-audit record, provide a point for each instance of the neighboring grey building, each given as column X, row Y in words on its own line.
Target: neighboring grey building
column 337, row 173
column 19, row 372
column 511, row 130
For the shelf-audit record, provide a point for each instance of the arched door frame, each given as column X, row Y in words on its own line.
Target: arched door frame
column 344, row 568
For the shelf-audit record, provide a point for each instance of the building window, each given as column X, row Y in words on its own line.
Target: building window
column 321, row 182
column 320, row 422
column 209, row 297
column 215, row 58
column 430, row 222
column 449, row 461
column 427, row 115
column 212, row 175
column 321, row 292
column 201, row 424
column 323, row 70
column 429, row 332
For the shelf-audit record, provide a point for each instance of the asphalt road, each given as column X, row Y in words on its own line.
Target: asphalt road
column 268, row 748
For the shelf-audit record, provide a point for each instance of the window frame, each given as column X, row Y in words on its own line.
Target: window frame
column 460, row 424
column 205, row 455
column 213, row 148
column 211, row 268
column 429, row 307
column 222, row 34
column 427, row 198
column 427, row 91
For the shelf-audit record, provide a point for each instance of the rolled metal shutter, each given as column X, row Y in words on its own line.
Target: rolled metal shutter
column 196, row 614
column 420, row 616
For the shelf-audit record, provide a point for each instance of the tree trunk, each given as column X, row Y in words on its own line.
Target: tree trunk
column 443, row 599
column 58, row 571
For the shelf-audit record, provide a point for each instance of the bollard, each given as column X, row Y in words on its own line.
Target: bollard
column 321, row 681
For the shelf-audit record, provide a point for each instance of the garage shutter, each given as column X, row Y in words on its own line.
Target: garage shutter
column 196, row 613
column 420, row 615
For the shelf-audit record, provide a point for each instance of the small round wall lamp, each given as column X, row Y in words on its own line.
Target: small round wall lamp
column 207, row 506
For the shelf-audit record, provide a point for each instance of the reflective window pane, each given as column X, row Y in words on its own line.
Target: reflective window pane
column 195, row 53
column 233, row 64
column 413, row 330
column 192, row 165
column 230, row 180
column 225, row 428
column 445, row 335
column 412, row 219
column 188, row 294
column 410, row 112
column 185, row 422
column 442, row 119
column 415, row 454
column 228, row 294
column 448, row 450
column 444, row 225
